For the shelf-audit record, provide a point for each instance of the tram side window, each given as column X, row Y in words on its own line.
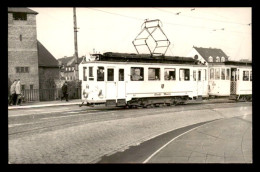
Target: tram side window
column 194, row 75
column 137, row 74
column 211, row 76
column 153, row 74
column 90, row 74
column 100, row 74
column 227, row 75
column 169, row 74
column 110, row 74
column 222, row 74
column 217, row 74
column 84, row 73
column 245, row 75
column 184, row 74
column 250, row 75
column 121, row 75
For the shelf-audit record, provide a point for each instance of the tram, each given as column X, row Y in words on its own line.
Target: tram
column 117, row 79
column 231, row 78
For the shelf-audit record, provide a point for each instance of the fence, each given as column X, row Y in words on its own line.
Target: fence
column 31, row 95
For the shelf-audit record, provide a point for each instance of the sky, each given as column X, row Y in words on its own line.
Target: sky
column 113, row 29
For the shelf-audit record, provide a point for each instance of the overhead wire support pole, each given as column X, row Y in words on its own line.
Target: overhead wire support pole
column 75, row 44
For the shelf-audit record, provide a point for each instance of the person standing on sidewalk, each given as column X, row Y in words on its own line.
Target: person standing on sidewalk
column 65, row 91
column 18, row 92
column 12, row 99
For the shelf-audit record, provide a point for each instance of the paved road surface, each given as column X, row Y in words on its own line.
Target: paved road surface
column 85, row 136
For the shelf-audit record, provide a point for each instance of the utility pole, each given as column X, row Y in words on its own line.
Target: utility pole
column 75, row 45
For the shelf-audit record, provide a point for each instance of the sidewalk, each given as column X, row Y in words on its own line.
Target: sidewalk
column 46, row 104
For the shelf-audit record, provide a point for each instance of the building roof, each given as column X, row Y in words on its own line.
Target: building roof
column 20, row 9
column 69, row 61
column 213, row 52
column 73, row 62
column 65, row 60
column 45, row 58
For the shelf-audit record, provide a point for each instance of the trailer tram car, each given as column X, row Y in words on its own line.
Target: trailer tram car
column 231, row 78
column 133, row 80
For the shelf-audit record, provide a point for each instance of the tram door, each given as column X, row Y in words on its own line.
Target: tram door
column 111, row 84
column 121, row 84
column 200, row 83
column 233, row 81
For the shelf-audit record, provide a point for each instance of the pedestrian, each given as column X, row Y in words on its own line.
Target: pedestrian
column 12, row 98
column 65, row 91
column 18, row 92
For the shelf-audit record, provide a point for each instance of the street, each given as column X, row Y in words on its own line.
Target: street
column 86, row 135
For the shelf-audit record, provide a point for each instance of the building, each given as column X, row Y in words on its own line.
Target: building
column 22, row 47
column 68, row 67
column 28, row 59
column 48, row 68
column 208, row 55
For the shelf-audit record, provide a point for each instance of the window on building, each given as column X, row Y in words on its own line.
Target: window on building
column 217, row 73
column 100, row 73
column 245, row 75
column 17, row 69
column 194, row 75
column 31, row 86
column 90, row 74
column 110, row 74
column 250, row 75
column 22, row 69
column 21, row 37
column 222, row 74
column 71, row 78
column 19, row 16
column 84, row 73
column 217, row 59
column 153, row 73
column 223, row 59
column 23, row 87
column 137, row 74
column 26, row 69
column 184, row 74
column 211, row 75
column 169, row 74
column 121, row 75
column 228, row 74
column 210, row 59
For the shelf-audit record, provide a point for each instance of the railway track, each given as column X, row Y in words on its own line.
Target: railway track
column 50, row 122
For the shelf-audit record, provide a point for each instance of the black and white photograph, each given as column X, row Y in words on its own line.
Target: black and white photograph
column 130, row 85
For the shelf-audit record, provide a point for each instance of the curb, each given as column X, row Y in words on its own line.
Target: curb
column 45, row 105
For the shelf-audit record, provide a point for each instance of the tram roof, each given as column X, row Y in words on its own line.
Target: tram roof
column 238, row 63
column 144, row 58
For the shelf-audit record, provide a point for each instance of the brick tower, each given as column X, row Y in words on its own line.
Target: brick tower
column 22, row 47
